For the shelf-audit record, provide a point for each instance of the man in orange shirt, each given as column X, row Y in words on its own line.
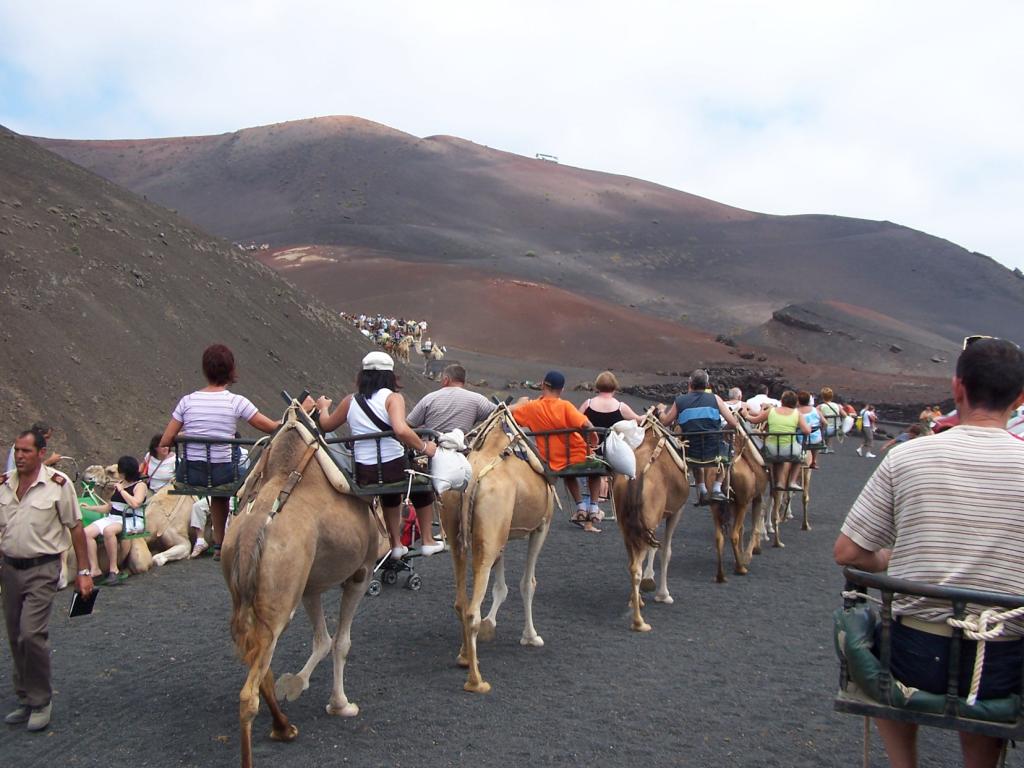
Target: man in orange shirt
column 550, row 412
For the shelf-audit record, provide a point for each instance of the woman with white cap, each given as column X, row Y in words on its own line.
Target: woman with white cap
column 377, row 406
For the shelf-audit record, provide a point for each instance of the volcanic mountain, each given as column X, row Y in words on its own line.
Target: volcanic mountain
column 363, row 199
column 109, row 300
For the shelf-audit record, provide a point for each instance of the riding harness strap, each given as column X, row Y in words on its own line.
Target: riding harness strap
column 293, row 480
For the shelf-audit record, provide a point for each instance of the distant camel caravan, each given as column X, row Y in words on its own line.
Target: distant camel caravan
column 506, row 499
column 282, row 549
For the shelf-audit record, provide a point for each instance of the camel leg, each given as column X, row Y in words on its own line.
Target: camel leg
column 635, row 562
column 458, row 555
column 351, row 593
column 528, row 585
column 717, row 517
column 176, row 547
column 249, row 696
column 780, row 499
column 647, row 582
column 756, row 527
column 482, row 563
column 290, row 686
column 283, row 730
column 499, row 591
column 671, row 522
column 736, row 537
column 806, row 499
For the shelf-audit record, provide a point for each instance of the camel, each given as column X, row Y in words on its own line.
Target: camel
column 508, row 498
column 747, row 482
column 780, row 511
column 297, row 534
column 403, row 348
column 167, row 519
column 657, row 494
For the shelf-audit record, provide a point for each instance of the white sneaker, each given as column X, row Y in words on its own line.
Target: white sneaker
column 870, row 455
column 200, row 547
column 398, row 552
column 432, row 549
column 860, row 450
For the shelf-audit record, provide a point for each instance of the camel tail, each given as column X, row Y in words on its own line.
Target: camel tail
column 243, row 583
column 636, row 533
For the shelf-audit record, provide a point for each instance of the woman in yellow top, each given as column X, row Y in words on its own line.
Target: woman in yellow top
column 780, row 444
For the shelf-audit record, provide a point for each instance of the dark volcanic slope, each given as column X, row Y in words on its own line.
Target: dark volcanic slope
column 108, row 301
column 349, row 182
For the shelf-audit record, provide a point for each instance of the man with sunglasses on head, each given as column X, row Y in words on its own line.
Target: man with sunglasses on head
column 946, row 510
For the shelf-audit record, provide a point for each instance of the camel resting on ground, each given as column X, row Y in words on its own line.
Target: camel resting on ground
column 508, row 498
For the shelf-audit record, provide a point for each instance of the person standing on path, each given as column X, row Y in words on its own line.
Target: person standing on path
column 868, row 420
column 39, row 517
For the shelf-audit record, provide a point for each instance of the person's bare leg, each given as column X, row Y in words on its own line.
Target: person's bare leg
column 900, row 741
column 110, row 543
column 219, row 515
column 425, row 520
column 393, row 522
column 980, row 751
column 572, row 485
column 94, row 559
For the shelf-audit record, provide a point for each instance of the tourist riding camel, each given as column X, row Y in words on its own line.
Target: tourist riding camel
column 699, row 415
column 811, row 442
column 159, row 464
column 377, row 406
column 550, row 412
column 213, row 412
column 604, row 411
column 129, row 495
column 452, row 406
column 831, row 416
column 781, row 446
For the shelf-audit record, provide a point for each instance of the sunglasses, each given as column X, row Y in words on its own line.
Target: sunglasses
column 968, row 340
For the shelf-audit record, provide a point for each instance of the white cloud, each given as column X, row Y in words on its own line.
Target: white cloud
column 906, row 111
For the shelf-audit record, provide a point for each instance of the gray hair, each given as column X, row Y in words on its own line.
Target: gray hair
column 735, row 393
column 699, row 380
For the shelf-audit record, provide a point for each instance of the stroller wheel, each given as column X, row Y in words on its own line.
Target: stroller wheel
column 414, row 582
column 374, row 588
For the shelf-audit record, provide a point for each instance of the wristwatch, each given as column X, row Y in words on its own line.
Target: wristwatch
column 85, row 572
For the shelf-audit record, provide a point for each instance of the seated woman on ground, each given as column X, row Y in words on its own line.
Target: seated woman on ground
column 158, row 465
column 604, row 411
column 812, row 416
column 129, row 495
column 378, row 407
column 213, row 412
column 780, row 443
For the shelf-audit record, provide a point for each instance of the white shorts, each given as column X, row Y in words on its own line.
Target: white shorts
column 104, row 522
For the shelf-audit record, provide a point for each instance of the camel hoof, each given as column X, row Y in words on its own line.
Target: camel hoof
column 462, row 661
column 647, row 585
column 778, row 545
column 161, row 559
column 756, row 550
column 666, row 599
column 351, row 709
column 288, row 734
column 720, row 579
column 481, row 687
column 486, row 632
column 643, row 626
column 536, row 641
column 805, row 527
column 289, row 687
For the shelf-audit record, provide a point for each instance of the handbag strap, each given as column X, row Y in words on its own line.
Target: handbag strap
column 378, row 422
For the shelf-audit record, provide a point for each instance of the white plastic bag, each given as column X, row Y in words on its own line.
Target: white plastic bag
column 449, row 469
column 619, row 455
column 848, row 422
column 630, row 431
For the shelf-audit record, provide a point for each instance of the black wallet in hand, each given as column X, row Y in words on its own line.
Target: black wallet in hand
column 82, row 606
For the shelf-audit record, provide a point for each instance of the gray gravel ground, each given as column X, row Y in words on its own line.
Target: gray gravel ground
column 738, row 674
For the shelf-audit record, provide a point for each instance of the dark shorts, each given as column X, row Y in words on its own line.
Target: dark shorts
column 921, row 660
column 201, row 473
column 704, row 449
column 391, row 472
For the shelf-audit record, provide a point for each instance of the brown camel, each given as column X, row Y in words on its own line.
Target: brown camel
column 296, row 535
column 658, row 493
column 508, row 498
column 781, row 505
column 747, row 482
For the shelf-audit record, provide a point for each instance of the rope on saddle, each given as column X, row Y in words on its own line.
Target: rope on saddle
column 987, row 625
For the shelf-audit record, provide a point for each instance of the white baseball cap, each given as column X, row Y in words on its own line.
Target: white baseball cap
column 378, row 361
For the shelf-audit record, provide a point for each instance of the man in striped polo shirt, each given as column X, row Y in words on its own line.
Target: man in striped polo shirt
column 948, row 509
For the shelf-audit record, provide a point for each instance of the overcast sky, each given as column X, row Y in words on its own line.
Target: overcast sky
column 906, row 111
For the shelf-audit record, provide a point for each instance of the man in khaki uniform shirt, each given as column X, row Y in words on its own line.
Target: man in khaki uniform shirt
column 39, row 517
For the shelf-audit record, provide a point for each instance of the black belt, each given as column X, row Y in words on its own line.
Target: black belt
column 22, row 563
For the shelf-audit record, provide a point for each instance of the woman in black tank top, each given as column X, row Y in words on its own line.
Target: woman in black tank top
column 128, row 496
column 606, row 385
